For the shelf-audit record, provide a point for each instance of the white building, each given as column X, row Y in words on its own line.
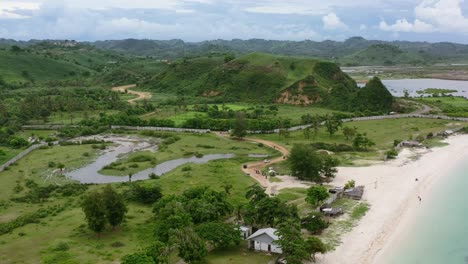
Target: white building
column 245, row 231
column 264, row 240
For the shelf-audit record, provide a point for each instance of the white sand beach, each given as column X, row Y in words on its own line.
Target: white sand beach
column 392, row 191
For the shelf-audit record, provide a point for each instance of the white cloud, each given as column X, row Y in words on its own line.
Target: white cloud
column 286, row 9
column 332, row 21
column 432, row 16
column 10, row 9
column 362, row 27
column 402, row 25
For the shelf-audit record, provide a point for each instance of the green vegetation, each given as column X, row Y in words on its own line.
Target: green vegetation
column 186, row 145
column 353, row 51
column 436, row 91
column 386, row 54
column 259, row 77
column 381, row 132
column 449, row 105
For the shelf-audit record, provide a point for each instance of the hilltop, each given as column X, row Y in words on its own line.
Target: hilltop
column 386, row 54
column 259, row 77
column 336, row 51
column 68, row 62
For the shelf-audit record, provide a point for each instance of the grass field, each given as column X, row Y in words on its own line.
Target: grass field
column 382, row 132
column 449, row 105
column 68, row 225
column 189, row 145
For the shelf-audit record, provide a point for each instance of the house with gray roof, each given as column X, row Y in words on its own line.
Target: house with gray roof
column 265, row 240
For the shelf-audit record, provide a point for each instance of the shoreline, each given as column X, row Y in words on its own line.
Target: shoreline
column 392, row 192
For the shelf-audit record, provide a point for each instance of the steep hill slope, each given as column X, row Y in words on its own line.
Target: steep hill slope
column 24, row 66
column 259, row 77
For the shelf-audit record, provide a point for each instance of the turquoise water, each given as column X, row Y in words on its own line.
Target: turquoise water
column 440, row 234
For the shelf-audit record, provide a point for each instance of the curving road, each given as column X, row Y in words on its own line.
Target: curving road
column 141, row 95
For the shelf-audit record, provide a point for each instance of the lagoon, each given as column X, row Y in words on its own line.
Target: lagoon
column 397, row 87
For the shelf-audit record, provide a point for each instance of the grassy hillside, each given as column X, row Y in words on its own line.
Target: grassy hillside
column 47, row 61
column 25, row 66
column 386, row 54
column 256, row 77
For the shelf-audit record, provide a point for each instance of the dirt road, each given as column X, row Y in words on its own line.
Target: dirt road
column 141, row 95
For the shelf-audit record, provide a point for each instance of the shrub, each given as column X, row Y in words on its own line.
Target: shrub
column 314, row 223
column 187, row 168
column 137, row 258
column 141, row 158
column 153, row 176
column 52, row 164
column 117, row 244
column 391, row 154
column 145, row 194
column 350, row 184
column 61, row 246
column 134, row 166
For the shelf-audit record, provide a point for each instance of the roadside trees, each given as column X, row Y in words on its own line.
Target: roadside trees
column 316, row 195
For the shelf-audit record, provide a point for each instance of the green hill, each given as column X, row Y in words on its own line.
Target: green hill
column 259, row 77
column 62, row 61
column 386, row 54
column 25, row 66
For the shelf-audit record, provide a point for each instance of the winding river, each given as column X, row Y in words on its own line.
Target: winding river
column 90, row 173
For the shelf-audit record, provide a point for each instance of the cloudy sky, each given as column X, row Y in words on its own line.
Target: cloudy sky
column 196, row 20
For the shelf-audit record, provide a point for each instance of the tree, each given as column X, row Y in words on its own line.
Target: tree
column 349, row 132
column 115, row 206
column 329, row 165
column 158, row 251
column 362, row 142
column 314, row 222
column 191, row 247
column 95, row 211
column 406, row 93
column 228, row 58
column 305, row 163
column 332, row 124
column 314, row 245
column 316, row 122
column 219, row 235
column 255, row 193
column 170, row 214
column 240, row 126
column 291, row 242
column 15, row 49
column 317, row 194
column 145, row 194
column 307, row 133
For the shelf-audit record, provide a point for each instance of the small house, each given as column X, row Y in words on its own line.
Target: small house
column 265, row 240
column 447, row 133
column 354, row 193
column 245, row 231
column 332, row 211
column 411, row 144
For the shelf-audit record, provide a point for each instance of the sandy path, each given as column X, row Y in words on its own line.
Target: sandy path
column 392, row 190
column 271, row 188
column 141, row 95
